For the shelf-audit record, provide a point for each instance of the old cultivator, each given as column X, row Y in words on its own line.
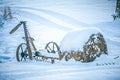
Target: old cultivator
column 93, row 48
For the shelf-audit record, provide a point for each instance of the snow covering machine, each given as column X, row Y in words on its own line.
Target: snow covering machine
column 92, row 49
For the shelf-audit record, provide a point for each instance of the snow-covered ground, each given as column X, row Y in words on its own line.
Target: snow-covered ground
column 52, row 20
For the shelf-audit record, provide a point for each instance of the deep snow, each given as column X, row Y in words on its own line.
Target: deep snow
column 75, row 40
column 52, row 20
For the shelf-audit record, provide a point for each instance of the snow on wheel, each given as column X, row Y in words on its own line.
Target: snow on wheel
column 22, row 52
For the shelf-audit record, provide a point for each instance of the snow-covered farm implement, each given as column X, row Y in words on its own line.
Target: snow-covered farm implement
column 94, row 47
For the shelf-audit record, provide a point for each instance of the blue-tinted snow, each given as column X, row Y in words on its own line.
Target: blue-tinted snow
column 51, row 20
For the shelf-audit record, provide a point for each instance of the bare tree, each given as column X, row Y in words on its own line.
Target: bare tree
column 5, row 14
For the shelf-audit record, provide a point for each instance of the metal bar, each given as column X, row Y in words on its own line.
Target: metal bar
column 27, row 39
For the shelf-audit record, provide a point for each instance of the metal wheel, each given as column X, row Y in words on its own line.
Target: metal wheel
column 52, row 47
column 22, row 52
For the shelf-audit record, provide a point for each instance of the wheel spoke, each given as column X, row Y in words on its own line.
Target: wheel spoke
column 49, row 48
column 21, row 58
column 53, row 47
column 24, row 58
column 22, row 48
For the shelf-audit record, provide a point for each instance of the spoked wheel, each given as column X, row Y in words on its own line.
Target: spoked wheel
column 52, row 47
column 22, row 52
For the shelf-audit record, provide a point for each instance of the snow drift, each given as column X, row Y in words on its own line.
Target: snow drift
column 76, row 39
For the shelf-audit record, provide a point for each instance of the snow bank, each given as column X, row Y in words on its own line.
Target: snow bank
column 76, row 39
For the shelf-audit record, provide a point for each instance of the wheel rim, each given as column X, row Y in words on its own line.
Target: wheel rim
column 52, row 47
column 22, row 52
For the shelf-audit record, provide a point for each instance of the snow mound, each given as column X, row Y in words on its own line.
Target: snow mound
column 76, row 39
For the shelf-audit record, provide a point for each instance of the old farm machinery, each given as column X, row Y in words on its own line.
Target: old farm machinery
column 24, row 50
column 94, row 47
column 28, row 50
